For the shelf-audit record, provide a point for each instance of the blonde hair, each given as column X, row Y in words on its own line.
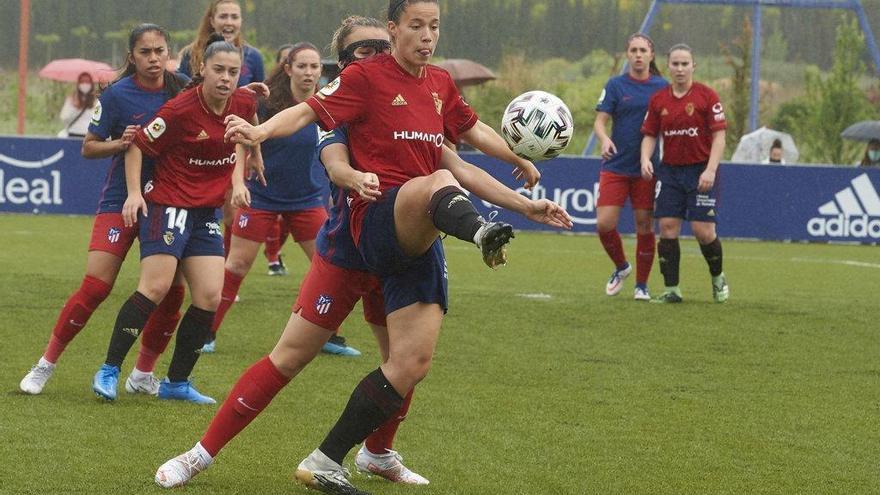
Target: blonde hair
column 196, row 49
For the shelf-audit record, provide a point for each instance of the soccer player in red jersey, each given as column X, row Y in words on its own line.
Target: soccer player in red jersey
column 130, row 102
column 398, row 109
column 178, row 225
column 690, row 118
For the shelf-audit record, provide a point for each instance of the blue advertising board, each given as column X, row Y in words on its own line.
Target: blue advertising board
column 803, row 203
column 48, row 175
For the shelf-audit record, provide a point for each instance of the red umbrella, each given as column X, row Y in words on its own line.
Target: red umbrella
column 466, row 72
column 69, row 69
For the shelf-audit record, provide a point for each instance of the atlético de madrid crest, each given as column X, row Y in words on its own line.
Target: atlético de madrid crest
column 322, row 304
column 438, row 103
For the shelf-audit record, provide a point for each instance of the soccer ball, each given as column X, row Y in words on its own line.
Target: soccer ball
column 537, row 125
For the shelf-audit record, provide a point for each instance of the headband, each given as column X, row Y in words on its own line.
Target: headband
column 346, row 56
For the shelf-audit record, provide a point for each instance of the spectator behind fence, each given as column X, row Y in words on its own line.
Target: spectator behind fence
column 78, row 108
column 872, row 154
column 775, row 153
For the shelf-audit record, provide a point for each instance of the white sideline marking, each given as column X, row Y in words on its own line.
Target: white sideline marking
column 539, row 296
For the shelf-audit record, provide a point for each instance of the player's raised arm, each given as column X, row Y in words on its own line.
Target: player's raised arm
column 481, row 183
column 485, row 139
column 284, row 123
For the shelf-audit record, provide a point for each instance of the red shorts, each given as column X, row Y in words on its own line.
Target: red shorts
column 615, row 188
column 110, row 235
column 328, row 295
column 256, row 225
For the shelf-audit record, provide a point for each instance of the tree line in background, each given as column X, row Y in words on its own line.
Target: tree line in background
column 483, row 30
column 568, row 59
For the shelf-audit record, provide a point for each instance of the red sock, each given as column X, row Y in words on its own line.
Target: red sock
column 75, row 314
column 273, row 243
column 644, row 257
column 381, row 440
column 613, row 246
column 253, row 391
column 160, row 328
column 227, row 238
column 231, row 283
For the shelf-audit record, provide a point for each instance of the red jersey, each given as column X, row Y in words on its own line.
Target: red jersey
column 686, row 123
column 396, row 122
column 193, row 164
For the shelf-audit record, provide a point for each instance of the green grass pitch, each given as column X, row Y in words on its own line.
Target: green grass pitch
column 541, row 384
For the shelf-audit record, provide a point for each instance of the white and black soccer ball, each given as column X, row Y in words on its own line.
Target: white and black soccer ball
column 537, row 125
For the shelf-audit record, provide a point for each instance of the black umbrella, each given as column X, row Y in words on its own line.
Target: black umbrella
column 865, row 130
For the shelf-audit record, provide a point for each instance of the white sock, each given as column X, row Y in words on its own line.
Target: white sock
column 140, row 375
column 45, row 364
column 203, row 453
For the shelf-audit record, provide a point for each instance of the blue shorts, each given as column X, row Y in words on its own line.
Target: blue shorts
column 180, row 232
column 406, row 279
column 676, row 194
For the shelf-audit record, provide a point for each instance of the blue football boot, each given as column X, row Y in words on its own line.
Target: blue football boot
column 104, row 383
column 182, row 391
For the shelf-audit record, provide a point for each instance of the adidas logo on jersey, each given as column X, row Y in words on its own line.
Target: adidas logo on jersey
column 854, row 212
column 398, row 101
column 202, row 136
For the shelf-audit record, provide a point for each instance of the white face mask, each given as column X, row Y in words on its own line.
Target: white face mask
column 84, row 88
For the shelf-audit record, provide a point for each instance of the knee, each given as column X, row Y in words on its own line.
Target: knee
column 604, row 225
column 644, row 226
column 209, row 300
column 416, row 368
column 238, row 265
column 154, row 290
column 704, row 236
column 443, row 178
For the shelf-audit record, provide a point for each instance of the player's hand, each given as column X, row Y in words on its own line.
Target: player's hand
column 134, row 204
column 608, row 148
column 240, row 131
column 549, row 213
column 366, row 184
column 258, row 88
column 647, row 169
column 241, row 196
column 707, row 180
column 256, row 169
column 526, row 171
column 128, row 136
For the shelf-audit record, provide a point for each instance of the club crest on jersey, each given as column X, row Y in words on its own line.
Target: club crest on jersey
column 243, row 221
column 155, row 129
column 168, row 237
column 689, row 108
column 438, row 103
column 322, row 304
column 330, row 88
column 96, row 115
column 113, row 235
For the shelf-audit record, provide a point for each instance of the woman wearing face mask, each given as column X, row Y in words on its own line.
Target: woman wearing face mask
column 872, row 154
column 127, row 104
column 176, row 213
column 78, row 108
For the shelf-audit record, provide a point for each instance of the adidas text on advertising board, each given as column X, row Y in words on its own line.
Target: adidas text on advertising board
column 853, row 214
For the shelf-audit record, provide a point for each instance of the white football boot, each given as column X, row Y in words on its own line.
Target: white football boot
column 325, row 475
column 178, row 471
column 36, row 379
column 388, row 465
column 142, row 383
